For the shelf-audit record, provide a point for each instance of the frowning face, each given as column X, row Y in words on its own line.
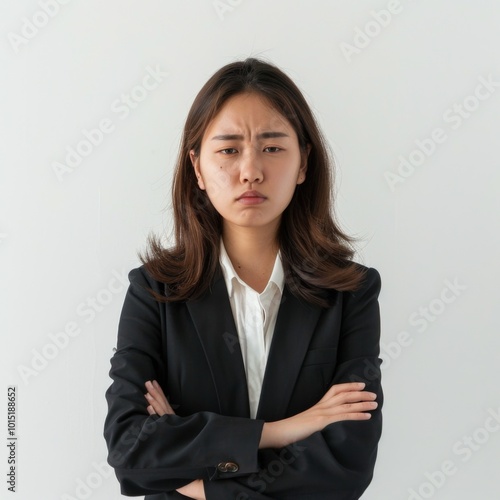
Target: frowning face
column 250, row 162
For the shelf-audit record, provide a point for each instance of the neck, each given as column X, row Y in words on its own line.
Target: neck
column 252, row 250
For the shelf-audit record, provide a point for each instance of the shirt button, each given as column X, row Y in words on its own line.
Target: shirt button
column 228, row 467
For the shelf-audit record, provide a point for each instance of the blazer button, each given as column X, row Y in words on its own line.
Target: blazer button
column 228, row 467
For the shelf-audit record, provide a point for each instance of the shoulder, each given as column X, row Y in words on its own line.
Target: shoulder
column 366, row 294
column 371, row 280
column 140, row 279
column 144, row 281
column 140, row 276
column 369, row 285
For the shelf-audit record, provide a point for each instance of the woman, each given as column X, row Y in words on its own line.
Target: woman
column 247, row 359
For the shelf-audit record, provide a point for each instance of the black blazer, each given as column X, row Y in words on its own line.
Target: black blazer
column 192, row 349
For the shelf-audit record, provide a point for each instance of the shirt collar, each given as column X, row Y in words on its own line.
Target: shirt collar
column 277, row 274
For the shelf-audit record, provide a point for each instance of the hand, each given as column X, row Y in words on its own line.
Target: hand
column 158, row 403
column 195, row 490
column 341, row 402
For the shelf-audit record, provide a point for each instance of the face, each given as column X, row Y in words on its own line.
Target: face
column 250, row 162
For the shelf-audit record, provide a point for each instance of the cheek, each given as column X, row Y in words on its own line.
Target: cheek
column 215, row 177
column 217, row 183
column 285, row 179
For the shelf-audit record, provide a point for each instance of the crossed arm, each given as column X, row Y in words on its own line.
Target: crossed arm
column 346, row 401
column 336, row 451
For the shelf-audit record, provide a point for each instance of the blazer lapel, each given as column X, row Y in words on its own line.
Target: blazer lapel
column 294, row 328
column 214, row 322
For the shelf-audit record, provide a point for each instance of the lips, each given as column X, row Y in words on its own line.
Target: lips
column 251, row 194
column 251, row 198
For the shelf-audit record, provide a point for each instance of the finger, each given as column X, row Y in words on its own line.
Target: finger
column 159, row 406
column 352, row 411
column 359, row 407
column 348, row 397
column 343, row 388
column 151, row 410
column 158, row 388
column 358, row 411
column 349, row 386
column 156, row 385
column 155, row 390
column 165, row 405
column 352, row 416
column 159, row 397
column 355, row 396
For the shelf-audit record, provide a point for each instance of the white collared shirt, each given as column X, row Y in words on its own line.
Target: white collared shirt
column 255, row 317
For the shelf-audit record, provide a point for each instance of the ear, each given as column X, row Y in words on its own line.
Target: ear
column 195, row 161
column 303, row 167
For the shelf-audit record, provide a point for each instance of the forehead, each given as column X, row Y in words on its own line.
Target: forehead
column 248, row 111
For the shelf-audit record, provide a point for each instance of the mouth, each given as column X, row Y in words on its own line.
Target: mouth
column 251, row 198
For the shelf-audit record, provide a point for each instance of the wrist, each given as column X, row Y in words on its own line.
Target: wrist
column 271, row 436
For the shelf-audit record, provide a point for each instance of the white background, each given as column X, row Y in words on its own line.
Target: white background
column 64, row 237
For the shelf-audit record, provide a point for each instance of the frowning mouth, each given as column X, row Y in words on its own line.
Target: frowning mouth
column 251, row 198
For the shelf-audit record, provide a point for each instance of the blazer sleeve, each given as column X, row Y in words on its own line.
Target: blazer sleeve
column 338, row 462
column 152, row 454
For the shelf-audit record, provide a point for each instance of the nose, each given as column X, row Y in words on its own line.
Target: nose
column 250, row 168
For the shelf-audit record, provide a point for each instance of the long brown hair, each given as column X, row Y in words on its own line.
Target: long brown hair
column 316, row 254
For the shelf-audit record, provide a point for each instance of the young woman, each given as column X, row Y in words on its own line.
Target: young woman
column 247, row 358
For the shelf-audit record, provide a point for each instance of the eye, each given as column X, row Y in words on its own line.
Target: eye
column 272, row 149
column 228, row 151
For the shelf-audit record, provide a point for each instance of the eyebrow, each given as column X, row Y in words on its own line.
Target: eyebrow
column 237, row 137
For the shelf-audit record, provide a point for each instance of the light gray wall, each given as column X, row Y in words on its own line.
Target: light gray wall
column 422, row 87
